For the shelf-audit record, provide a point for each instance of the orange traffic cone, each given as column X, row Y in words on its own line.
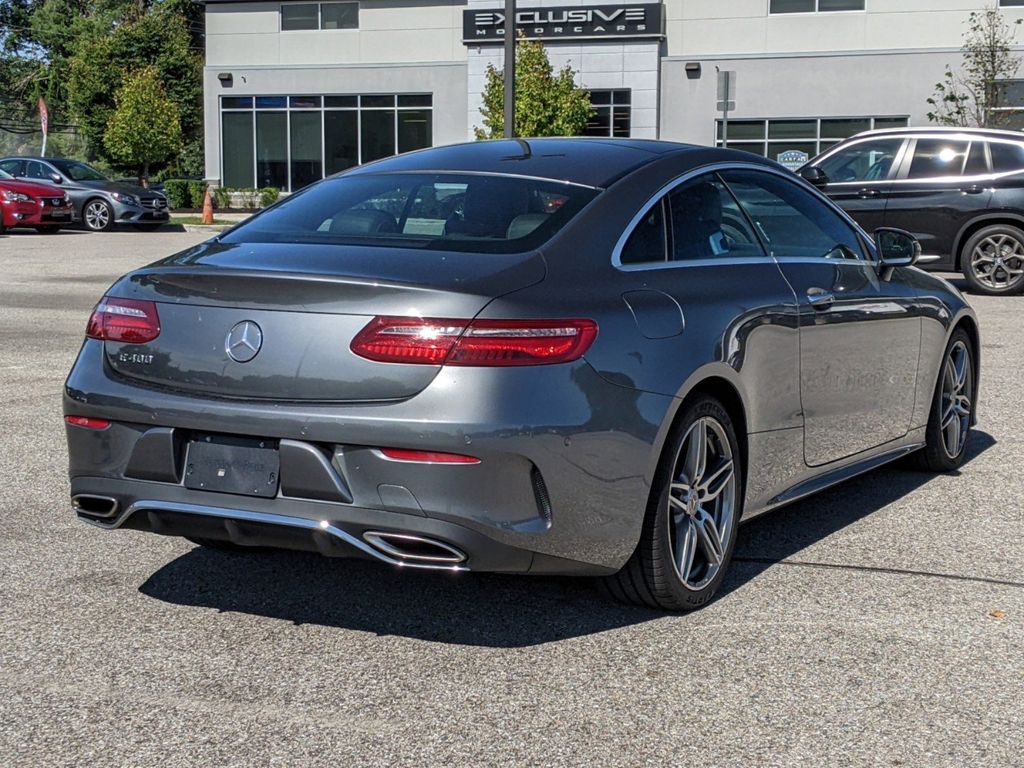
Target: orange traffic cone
column 207, row 208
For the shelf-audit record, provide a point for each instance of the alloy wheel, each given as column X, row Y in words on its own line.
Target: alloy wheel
column 702, row 503
column 96, row 215
column 998, row 262
column 957, row 391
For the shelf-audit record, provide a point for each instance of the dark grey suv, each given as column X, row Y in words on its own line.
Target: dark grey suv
column 99, row 202
column 959, row 191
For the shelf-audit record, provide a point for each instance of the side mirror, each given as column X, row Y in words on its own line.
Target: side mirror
column 896, row 248
column 814, row 175
column 56, row 178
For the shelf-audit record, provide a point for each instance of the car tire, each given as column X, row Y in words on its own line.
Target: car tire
column 689, row 528
column 992, row 260
column 97, row 215
column 952, row 409
column 223, row 546
column 47, row 230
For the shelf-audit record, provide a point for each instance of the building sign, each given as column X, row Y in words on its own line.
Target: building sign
column 567, row 22
column 792, row 159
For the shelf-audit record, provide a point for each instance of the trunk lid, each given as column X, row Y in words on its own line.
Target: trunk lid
column 274, row 321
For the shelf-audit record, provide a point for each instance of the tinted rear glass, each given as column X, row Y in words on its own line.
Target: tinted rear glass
column 1006, row 157
column 454, row 212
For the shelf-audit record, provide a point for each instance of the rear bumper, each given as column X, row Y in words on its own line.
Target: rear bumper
column 566, row 461
column 304, row 525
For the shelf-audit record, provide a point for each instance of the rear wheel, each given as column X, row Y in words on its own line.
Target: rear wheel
column 949, row 422
column 689, row 529
column 98, row 215
column 993, row 260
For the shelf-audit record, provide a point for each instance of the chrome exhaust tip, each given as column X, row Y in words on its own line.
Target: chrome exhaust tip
column 93, row 506
column 407, row 547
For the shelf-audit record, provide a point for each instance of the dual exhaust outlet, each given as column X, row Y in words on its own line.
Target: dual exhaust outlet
column 392, row 547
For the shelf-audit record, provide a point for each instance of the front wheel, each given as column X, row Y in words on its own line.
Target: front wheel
column 98, row 215
column 993, row 260
column 952, row 411
column 689, row 530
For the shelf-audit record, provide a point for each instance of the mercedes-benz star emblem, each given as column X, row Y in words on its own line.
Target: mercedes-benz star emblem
column 244, row 341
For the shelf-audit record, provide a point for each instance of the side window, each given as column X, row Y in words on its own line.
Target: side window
column 864, row 161
column 36, row 170
column 707, row 223
column 791, row 221
column 934, row 158
column 647, row 243
column 1006, row 157
column 977, row 163
column 11, row 166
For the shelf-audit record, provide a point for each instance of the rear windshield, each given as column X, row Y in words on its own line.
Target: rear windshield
column 453, row 212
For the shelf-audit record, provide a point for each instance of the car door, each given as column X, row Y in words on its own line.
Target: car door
column 860, row 335
column 701, row 288
column 942, row 184
column 859, row 177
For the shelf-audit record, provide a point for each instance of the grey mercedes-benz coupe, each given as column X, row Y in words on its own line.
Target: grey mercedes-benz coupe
column 549, row 356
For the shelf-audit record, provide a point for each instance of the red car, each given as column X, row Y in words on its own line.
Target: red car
column 30, row 204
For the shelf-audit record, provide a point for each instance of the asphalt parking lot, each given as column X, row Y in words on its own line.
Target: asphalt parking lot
column 881, row 623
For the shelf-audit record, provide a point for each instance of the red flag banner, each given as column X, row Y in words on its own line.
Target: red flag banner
column 44, row 116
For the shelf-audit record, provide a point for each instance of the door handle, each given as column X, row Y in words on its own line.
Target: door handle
column 866, row 193
column 819, row 298
column 972, row 189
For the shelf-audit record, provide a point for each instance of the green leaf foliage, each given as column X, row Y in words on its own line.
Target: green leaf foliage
column 974, row 95
column 548, row 103
column 145, row 127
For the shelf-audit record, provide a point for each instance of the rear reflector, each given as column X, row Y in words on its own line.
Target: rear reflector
column 474, row 343
column 124, row 320
column 427, row 457
column 87, row 422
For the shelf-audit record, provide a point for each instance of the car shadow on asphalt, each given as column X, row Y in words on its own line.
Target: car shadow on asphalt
column 491, row 610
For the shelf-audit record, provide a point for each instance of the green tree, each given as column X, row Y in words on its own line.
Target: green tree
column 975, row 94
column 160, row 38
column 547, row 103
column 146, row 125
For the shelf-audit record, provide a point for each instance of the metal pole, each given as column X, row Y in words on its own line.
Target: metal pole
column 510, row 68
column 725, row 111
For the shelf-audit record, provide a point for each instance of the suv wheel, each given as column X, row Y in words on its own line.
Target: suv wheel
column 993, row 260
column 98, row 215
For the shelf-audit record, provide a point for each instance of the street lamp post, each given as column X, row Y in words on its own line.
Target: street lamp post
column 510, row 68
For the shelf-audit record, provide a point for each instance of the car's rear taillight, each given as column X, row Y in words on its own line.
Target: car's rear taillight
column 87, row 421
column 432, row 341
column 427, row 457
column 125, row 320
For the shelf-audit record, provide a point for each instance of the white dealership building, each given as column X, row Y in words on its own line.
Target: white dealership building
column 297, row 90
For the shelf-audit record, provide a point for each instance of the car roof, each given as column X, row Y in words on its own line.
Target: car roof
column 593, row 162
column 941, row 130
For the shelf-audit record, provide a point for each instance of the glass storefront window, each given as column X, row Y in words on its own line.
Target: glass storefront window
column 772, row 137
column 272, row 149
column 238, row 163
column 291, row 141
column 612, row 114
column 306, row 149
column 341, row 141
column 378, row 134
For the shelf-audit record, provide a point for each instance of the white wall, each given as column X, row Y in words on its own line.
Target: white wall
column 729, row 27
column 390, row 32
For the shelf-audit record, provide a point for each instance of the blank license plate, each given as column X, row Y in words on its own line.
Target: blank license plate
column 232, row 465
